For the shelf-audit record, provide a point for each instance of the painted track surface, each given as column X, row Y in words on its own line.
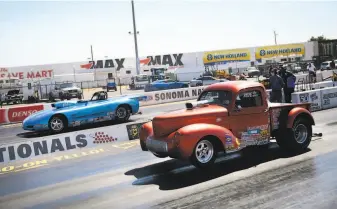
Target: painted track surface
column 13, row 133
column 121, row 176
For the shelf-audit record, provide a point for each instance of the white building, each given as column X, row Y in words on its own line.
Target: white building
column 125, row 67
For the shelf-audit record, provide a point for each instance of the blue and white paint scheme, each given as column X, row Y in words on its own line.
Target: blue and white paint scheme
column 66, row 114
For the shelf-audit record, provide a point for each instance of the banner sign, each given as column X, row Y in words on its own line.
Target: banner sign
column 60, row 143
column 133, row 130
column 225, row 56
column 329, row 98
column 6, row 73
column 279, row 50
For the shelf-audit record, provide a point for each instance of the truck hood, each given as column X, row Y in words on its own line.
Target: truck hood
column 167, row 123
column 70, row 88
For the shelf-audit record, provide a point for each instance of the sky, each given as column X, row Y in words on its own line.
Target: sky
column 44, row 32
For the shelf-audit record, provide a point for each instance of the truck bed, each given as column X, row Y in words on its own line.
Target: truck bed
column 276, row 108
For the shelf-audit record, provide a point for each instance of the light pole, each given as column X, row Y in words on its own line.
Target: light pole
column 92, row 60
column 135, row 32
column 74, row 73
column 275, row 39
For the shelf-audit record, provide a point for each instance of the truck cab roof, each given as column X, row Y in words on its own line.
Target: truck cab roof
column 233, row 86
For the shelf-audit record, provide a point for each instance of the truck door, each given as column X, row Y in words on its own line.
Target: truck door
column 249, row 118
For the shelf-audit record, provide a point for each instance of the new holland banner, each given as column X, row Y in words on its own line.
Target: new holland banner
column 225, row 56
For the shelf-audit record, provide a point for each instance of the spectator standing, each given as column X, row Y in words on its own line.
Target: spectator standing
column 290, row 86
column 270, row 70
column 332, row 65
column 312, row 74
column 2, row 99
column 289, row 80
column 276, row 84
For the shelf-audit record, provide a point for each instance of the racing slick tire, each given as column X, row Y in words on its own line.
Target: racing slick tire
column 159, row 155
column 204, row 153
column 184, row 86
column 297, row 138
column 123, row 113
column 143, row 145
column 57, row 124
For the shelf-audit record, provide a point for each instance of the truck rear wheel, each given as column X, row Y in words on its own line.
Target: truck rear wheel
column 297, row 138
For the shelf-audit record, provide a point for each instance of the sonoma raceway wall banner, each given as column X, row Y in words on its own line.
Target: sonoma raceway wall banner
column 62, row 142
column 174, row 95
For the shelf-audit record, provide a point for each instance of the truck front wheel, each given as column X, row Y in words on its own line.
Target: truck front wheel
column 296, row 139
column 204, row 154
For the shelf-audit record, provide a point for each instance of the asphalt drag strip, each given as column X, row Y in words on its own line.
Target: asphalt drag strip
column 120, row 175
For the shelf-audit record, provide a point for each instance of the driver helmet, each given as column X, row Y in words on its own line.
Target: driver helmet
column 101, row 96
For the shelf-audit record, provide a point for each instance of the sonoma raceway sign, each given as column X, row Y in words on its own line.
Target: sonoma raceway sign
column 53, row 144
column 174, row 95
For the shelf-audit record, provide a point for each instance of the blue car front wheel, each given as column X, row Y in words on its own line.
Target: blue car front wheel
column 57, row 124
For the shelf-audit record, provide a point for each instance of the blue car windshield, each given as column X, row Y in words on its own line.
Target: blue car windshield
column 160, row 81
column 222, row 98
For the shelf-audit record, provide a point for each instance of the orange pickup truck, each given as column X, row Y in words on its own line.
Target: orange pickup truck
column 227, row 117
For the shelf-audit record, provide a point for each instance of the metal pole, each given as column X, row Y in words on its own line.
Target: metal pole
column 135, row 37
column 92, row 59
column 275, row 37
column 74, row 73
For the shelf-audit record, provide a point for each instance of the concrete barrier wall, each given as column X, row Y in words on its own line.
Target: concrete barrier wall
column 321, row 99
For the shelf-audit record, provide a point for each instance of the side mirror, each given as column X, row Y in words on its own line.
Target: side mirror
column 237, row 108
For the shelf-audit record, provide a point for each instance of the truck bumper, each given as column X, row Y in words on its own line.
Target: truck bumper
column 161, row 146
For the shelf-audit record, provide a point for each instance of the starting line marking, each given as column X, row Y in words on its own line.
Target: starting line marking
column 34, row 164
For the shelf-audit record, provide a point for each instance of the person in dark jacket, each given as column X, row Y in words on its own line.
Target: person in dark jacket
column 289, row 80
column 332, row 65
column 276, row 84
column 290, row 86
column 270, row 70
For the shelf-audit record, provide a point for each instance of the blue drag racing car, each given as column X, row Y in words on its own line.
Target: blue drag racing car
column 164, row 85
column 66, row 114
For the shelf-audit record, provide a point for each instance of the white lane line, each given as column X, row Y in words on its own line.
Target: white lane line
column 11, row 125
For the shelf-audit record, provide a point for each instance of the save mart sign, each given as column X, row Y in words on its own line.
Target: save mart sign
column 279, row 50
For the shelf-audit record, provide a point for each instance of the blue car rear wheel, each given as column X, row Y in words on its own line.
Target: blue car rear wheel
column 123, row 113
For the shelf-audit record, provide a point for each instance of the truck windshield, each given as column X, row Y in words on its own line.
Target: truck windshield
column 223, row 98
column 66, row 85
column 142, row 78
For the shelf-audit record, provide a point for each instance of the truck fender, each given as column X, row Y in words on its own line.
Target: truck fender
column 145, row 131
column 190, row 135
column 299, row 112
